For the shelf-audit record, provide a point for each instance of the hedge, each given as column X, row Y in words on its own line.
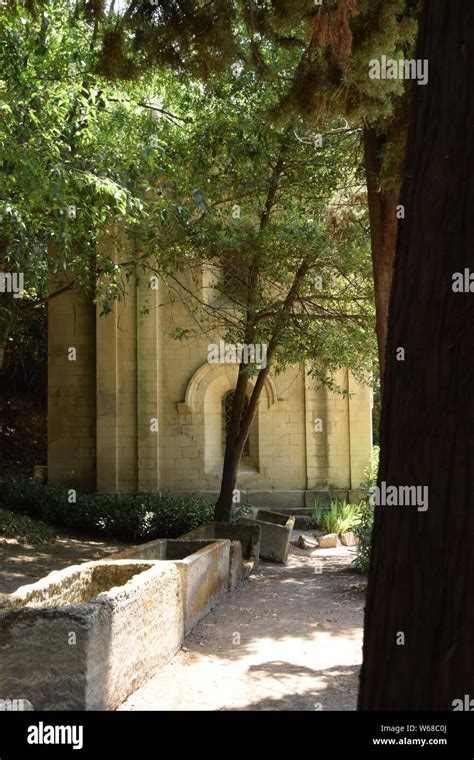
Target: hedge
column 134, row 517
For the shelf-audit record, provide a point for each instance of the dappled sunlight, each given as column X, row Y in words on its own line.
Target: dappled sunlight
column 22, row 564
column 286, row 639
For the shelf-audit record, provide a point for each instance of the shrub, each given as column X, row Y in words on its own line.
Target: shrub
column 339, row 518
column 23, row 528
column 364, row 533
column 318, row 516
column 364, row 529
column 133, row 517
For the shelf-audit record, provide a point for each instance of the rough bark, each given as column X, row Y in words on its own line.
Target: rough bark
column 232, row 454
column 422, row 568
column 383, row 234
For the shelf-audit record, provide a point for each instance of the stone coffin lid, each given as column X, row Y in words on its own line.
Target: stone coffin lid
column 277, row 518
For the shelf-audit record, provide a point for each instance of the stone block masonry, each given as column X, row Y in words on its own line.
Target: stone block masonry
column 276, row 532
column 140, row 412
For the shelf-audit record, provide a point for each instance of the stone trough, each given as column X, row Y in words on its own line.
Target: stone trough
column 276, row 529
column 244, row 546
column 86, row 637
column 203, row 568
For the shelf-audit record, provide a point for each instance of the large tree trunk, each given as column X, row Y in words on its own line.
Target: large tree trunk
column 383, row 234
column 422, row 568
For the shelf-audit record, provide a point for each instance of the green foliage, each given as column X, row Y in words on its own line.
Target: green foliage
column 339, row 518
column 68, row 140
column 265, row 200
column 319, row 55
column 318, row 516
column 365, row 527
column 134, row 517
column 364, row 534
column 24, row 529
column 166, row 160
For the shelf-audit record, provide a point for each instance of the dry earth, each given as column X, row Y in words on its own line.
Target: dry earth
column 289, row 638
column 24, row 563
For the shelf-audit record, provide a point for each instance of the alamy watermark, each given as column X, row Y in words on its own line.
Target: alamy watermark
column 463, row 282
column 237, row 353
column 465, row 704
column 391, row 68
column 47, row 734
column 12, row 282
column 399, row 496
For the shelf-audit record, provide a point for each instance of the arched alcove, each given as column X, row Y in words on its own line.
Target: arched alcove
column 204, row 399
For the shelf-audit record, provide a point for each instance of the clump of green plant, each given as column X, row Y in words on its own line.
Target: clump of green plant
column 339, row 518
column 24, row 529
column 364, row 529
column 317, row 519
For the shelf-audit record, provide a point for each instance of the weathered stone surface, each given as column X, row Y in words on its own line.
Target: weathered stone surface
column 40, row 473
column 349, row 538
column 329, row 541
column 203, row 568
column 235, row 564
column 276, row 529
column 307, row 543
column 247, row 535
column 85, row 637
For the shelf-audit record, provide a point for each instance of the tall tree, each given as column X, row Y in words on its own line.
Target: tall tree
column 419, row 621
column 278, row 224
column 67, row 165
column 321, row 53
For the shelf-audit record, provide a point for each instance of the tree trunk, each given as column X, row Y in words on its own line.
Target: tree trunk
column 422, row 567
column 383, row 235
column 239, row 429
column 235, row 445
column 223, row 506
column 238, row 435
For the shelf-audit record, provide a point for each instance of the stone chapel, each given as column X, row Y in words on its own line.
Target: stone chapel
column 136, row 410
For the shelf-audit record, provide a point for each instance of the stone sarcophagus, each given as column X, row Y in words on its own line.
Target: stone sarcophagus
column 203, row 568
column 276, row 529
column 86, row 637
column 244, row 548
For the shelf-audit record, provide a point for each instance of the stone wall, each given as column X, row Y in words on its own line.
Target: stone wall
column 141, row 411
column 71, row 392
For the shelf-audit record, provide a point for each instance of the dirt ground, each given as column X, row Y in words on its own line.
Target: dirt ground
column 289, row 638
column 23, row 563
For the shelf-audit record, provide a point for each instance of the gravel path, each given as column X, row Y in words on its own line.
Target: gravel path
column 289, row 638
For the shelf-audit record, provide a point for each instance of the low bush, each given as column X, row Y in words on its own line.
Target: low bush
column 339, row 518
column 134, row 517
